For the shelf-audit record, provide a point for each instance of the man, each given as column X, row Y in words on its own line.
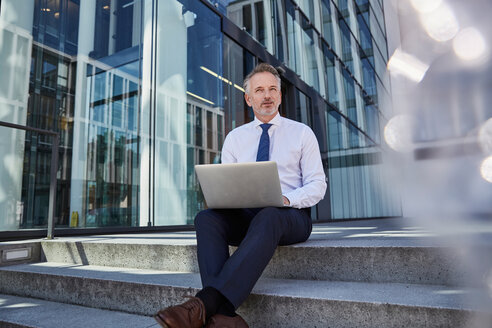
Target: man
column 228, row 280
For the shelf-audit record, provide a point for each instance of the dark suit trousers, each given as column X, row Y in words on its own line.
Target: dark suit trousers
column 257, row 233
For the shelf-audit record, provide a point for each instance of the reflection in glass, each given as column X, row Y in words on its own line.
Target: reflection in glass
column 307, row 7
column 301, row 36
column 135, row 115
column 327, row 20
column 331, row 76
column 92, row 104
column 279, row 29
column 358, row 182
column 343, row 7
column 304, row 111
column 189, row 89
column 369, row 79
column 293, row 38
column 264, row 20
column 260, row 22
column 258, row 18
column 352, row 101
column 112, row 164
column 372, row 122
column 247, row 19
column 237, row 63
column 50, row 107
column 310, row 46
column 346, row 38
column 364, row 32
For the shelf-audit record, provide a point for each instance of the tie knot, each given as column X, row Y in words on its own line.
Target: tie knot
column 265, row 126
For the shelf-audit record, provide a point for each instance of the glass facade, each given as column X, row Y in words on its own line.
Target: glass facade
column 141, row 91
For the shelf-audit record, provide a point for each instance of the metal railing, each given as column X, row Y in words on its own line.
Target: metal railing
column 54, row 169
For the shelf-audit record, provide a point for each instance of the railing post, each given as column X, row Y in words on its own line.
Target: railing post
column 52, row 199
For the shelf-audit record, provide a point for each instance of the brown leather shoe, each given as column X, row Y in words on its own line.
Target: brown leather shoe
column 190, row 314
column 223, row 321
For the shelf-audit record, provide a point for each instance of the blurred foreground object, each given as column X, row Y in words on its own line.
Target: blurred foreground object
column 440, row 134
column 442, row 124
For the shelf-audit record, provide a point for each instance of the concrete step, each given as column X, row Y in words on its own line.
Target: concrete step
column 320, row 258
column 19, row 312
column 273, row 303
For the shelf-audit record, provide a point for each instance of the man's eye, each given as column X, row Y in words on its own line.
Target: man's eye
column 259, row 91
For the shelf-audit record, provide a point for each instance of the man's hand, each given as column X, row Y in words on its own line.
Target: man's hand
column 286, row 201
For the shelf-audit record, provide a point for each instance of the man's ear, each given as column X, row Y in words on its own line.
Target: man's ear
column 246, row 97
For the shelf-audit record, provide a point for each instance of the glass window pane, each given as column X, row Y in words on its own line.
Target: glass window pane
column 293, row 38
column 237, row 63
column 346, row 39
column 247, row 19
column 260, row 19
column 304, row 111
column 310, row 47
column 183, row 80
column 349, row 90
column 331, row 76
column 134, row 115
column 355, row 172
column 260, row 23
column 327, row 20
column 280, row 31
column 307, row 7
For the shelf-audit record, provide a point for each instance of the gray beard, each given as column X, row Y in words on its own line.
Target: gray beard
column 266, row 112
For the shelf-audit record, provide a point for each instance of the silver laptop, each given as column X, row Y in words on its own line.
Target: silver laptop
column 240, row 185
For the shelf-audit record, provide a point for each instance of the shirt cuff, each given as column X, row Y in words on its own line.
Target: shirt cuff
column 295, row 197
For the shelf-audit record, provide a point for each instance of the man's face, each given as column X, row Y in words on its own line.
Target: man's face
column 264, row 94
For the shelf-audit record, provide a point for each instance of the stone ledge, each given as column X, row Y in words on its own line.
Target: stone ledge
column 273, row 303
column 310, row 260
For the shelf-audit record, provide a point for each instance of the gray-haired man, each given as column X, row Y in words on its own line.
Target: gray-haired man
column 228, row 279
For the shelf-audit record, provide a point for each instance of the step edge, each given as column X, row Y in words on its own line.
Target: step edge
column 261, row 294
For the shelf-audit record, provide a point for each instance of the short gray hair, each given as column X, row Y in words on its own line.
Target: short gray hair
column 260, row 68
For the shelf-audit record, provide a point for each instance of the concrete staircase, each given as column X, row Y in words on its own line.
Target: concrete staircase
column 375, row 273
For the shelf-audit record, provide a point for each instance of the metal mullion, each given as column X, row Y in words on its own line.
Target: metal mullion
column 152, row 121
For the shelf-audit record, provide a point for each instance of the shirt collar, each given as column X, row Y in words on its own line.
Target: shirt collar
column 274, row 121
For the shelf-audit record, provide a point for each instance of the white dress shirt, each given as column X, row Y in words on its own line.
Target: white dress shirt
column 293, row 146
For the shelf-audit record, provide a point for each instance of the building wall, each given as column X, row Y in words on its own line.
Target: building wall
column 142, row 91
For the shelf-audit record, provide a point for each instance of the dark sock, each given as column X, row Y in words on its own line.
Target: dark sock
column 212, row 299
column 227, row 309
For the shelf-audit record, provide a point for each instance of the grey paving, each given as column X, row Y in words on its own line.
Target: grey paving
column 28, row 312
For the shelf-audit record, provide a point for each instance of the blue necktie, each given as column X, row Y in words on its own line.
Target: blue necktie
column 264, row 146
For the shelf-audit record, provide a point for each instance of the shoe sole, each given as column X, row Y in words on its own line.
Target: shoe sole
column 159, row 321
